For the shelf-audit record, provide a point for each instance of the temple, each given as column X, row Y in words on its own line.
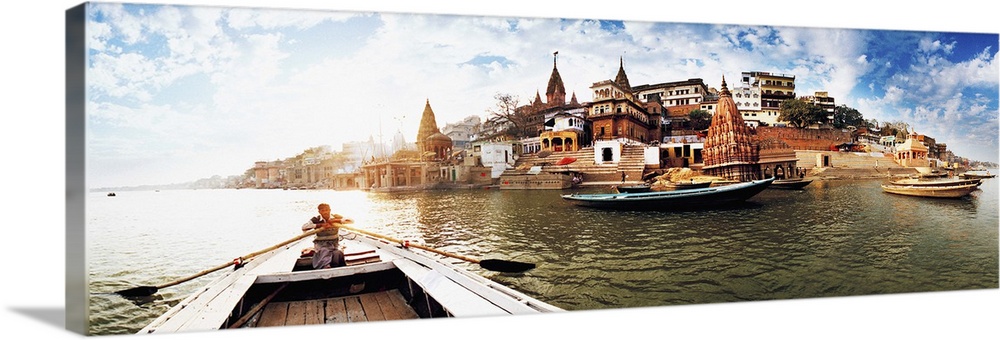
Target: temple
column 731, row 150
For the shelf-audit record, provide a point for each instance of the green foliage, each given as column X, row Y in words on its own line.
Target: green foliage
column 699, row 119
column 844, row 116
column 800, row 113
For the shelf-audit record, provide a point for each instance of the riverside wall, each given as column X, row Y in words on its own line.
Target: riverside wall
column 805, row 139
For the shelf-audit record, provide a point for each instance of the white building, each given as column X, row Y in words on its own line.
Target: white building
column 462, row 132
column 498, row 156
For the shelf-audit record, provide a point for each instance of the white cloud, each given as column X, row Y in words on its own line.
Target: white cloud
column 265, row 94
column 244, row 18
column 125, row 25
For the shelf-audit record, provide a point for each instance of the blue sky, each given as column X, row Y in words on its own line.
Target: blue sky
column 178, row 93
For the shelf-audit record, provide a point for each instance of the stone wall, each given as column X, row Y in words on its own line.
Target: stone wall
column 805, row 139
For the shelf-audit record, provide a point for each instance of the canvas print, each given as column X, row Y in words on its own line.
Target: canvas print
column 264, row 167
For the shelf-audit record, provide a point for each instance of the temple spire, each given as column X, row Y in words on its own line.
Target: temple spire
column 555, row 92
column 622, row 78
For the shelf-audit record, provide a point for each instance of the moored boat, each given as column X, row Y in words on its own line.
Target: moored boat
column 937, row 191
column 683, row 185
column 937, row 182
column 633, row 188
column 385, row 279
column 977, row 174
column 790, row 184
column 671, row 200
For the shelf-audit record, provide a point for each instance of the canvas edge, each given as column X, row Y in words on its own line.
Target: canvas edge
column 77, row 301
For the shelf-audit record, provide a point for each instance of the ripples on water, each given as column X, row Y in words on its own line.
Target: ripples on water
column 835, row 238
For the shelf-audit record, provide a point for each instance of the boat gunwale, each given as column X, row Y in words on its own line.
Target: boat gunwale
column 653, row 195
column 952, row 191
column 512, row 299
column 505, row 298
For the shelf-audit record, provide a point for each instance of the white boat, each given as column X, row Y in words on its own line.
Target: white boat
column 938, row 191
column 937, row 182
column 977, row 174
column 383, row 281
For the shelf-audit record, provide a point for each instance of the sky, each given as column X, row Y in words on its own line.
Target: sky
column 176, row 93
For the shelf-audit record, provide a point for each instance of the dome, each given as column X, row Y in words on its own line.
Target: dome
column 439, row 137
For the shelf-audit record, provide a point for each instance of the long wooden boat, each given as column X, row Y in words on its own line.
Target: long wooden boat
column 382, row 281
column 937, row 182
column 633, row 188
column 977, row 174
column 670, row 200
column 790, row 184
column 945, row 191
column 683, row 185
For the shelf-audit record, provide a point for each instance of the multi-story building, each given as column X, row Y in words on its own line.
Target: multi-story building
column 269, row 174
column 826, row 103
column 462, row 132
column 748, row 101
column 677, row 99
column 564, row 129
column 772, row 88
column 617, row 114
column 932, row 146
column 677, row 93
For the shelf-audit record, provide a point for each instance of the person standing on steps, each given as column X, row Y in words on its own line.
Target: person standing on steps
column 623, row 177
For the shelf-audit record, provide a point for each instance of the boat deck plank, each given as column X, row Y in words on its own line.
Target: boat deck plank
column 373, row 311
column 210, row 308
column 336, row 312
column 394, row 307
column 296, row 313
column 378, row 306
column 273, row 315
column 355, row 313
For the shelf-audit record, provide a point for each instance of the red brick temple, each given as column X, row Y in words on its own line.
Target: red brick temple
column 731, row 150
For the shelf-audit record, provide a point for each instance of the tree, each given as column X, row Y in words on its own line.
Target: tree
column 507, row 112
column 800, row 112
column 896, row 128
column 844, row 116
column 699, row 119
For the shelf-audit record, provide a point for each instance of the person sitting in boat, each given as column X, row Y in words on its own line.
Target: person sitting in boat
column 327, row 252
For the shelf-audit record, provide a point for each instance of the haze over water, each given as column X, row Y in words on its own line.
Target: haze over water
column 836, row 238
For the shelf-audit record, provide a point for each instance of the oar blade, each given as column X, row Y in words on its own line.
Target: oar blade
column 137, row 291
column 505, row 266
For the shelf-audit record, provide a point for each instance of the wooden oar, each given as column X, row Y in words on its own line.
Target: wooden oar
column 150, row 290
column 488, row 264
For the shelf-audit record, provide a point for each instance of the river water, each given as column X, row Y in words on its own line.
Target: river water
column 835, row 238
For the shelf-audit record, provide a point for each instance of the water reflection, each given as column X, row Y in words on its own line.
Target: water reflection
column 834, row 238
